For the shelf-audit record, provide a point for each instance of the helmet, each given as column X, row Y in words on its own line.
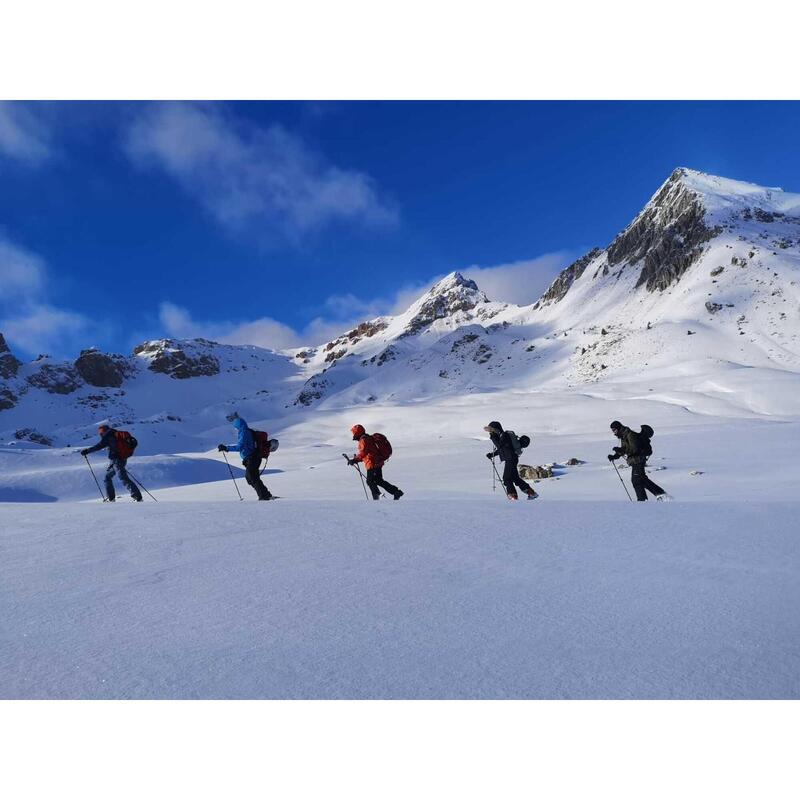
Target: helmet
column 357, row 431
column 615, row 425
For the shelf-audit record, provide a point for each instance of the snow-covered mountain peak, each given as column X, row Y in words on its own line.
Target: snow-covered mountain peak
column 453, row 297
column 707, row 273
column 452, row 282
column 720, row 194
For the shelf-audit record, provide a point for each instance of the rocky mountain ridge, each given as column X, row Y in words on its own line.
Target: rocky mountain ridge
column 707, row 271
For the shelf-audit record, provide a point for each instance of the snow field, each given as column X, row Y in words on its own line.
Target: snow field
column 455, row 599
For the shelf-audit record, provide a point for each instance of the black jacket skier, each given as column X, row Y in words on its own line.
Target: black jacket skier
column 504, row 448
column 116, row 463
column 635, row 447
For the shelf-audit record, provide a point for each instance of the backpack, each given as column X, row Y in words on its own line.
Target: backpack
column 126, row 444
column 263, row 447
column 515, row 442
column 645, row 448
column 382, row 446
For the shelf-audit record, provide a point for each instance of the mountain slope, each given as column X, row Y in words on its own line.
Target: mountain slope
column 699, row 294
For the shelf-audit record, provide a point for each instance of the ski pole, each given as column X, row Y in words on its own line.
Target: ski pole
column 380, row 491
column 136, row 481
column 622, row 481
column 88, row 464
column 497, row 474
column 231, row 472
column 364, row 485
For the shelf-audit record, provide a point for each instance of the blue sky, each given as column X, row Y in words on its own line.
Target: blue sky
column 283, row 223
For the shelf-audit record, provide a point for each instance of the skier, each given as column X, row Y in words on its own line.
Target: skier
column 372, row 450
column 251, row 458
column 636, row 448
column 504, row 447
column 120, row 446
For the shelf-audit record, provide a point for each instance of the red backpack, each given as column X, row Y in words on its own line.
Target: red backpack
column 382, row 446
column 126, row 444
column 261, row 438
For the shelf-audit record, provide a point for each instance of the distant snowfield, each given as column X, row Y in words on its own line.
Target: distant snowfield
column 452, row 592
column 415, row 599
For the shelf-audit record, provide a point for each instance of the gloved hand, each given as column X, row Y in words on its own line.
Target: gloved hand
column 352, row 462
column 85, row 452
column 490, row 455
column 613, row 456
column 222, row 448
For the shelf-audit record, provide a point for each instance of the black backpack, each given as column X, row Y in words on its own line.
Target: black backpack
column 645, row 435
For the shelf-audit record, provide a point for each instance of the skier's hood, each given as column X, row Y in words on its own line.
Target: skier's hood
column 494, row 426
column 239, row 423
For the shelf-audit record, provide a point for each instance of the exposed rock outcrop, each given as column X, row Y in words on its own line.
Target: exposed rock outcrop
column 667, row 236
column 312, row 390
column 100, row 369
column 32, row 435
column 9, row 363
column 56, row 379
column 180, row 360
column 561, row 285
column 7, row 399
column 449, row 296
column 535, row 473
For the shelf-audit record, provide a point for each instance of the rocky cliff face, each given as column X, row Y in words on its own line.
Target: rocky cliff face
column 667, row 237
column 560, row 286
column 56, row 379
column 102, row 370
column 9, row 364
column 451, row 296
column 179, row 360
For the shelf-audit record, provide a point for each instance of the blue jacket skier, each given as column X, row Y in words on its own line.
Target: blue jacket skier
column 251, row 459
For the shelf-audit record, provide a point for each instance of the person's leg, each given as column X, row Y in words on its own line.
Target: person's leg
column 638, row 479
column 252, row 470
column 110, row 472
column 373, row 476
column 126, row 480
column 518, row 481
column 510, row 476
column 391, row 488
column 652, row 487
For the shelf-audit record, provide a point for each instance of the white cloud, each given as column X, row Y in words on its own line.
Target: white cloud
column 520, row 282
column 178, row 322
column 28, row 320
column 251, row 178
column 45, row 329
column 22, row 137
column 21, row 272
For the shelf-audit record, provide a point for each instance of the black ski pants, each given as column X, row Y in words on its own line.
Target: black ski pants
column 116, row 466
column 511, row 478
column 375, row 479
column 252, row 474
column 641, row 483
